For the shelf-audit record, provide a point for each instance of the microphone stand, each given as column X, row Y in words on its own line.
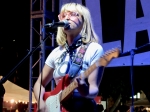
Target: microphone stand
column 4, row 79
column 132, row 52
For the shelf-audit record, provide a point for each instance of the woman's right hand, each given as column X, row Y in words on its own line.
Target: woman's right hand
column 42, row 107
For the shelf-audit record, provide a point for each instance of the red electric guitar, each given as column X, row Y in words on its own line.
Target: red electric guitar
column 64, row 88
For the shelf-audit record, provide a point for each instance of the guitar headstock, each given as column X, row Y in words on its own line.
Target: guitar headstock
column 108, row 56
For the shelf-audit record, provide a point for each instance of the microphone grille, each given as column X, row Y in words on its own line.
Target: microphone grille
column 66, row 23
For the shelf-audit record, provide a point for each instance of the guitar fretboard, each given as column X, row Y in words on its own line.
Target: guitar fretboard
column 68, row 90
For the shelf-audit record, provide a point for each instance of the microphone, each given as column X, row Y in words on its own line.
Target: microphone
column 64, row 24
column 140, row 49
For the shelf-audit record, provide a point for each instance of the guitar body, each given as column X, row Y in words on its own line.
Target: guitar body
column 52, row 98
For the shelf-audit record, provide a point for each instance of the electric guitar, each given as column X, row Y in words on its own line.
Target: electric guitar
column 65, row 87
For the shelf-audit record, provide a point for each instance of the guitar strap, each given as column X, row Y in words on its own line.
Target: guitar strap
column 77, row 61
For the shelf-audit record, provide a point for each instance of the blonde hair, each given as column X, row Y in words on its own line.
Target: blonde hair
column 87, row 31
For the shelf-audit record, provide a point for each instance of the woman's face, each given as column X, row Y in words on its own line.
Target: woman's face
column 74, row 18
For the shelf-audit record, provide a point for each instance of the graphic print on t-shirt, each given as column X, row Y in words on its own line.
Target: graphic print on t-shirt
column 62, row 69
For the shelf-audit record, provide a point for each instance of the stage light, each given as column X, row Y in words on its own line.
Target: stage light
column 12, row 101
column 19, row 101
column 138, row 95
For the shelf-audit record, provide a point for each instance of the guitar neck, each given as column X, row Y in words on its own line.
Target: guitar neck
column 72, row 86
column 68, row 90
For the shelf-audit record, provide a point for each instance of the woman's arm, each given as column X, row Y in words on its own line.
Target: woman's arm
column 94, row 80
column 91, row 89
column 46, row 75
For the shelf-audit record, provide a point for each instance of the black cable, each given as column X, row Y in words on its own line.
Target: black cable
column 48, row 35
column 40, row 85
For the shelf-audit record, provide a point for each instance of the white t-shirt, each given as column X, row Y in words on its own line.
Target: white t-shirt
column 92, row 54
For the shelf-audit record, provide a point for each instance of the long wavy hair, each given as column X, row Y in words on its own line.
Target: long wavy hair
column 87, row 31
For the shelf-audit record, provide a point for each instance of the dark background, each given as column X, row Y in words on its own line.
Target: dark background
column 15, row 39
column 15, row 25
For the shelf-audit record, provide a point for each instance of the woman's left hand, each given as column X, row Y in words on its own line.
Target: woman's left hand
column 83, row 88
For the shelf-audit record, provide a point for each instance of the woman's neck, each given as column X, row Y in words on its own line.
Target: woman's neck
column 72, row 38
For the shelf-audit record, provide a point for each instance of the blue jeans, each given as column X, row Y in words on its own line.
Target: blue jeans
column 77, row 103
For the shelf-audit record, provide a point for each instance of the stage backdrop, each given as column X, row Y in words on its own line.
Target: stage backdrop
column 123, row 24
